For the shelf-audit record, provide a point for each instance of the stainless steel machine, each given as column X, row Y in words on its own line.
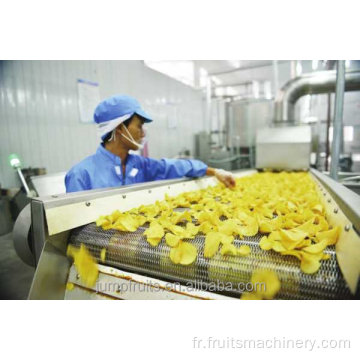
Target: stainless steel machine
column 283, row 148
column 135, row 270
column 49, row 184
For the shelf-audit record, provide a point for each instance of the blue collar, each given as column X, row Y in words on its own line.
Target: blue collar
column 114, row 158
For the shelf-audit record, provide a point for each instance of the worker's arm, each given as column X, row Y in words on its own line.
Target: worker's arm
column 226, row 177
column 173, row 168
column 176, row 168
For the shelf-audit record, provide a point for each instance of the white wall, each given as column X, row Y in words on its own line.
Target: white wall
column 39, row 117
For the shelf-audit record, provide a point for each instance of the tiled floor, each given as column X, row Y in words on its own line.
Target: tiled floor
column 15, row 276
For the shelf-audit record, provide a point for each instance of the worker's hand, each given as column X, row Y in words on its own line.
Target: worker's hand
column 226, row 177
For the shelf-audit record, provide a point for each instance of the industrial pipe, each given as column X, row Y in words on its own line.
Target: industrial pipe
column 314, row 83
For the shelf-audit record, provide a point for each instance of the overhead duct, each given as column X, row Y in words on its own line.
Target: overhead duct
column 313, row 83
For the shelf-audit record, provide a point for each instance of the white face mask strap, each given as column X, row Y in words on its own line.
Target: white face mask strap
column 140, row 146
column 113, row 135
column 128, row 132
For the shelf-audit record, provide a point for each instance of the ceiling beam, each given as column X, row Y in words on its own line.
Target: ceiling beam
column 236, row 84
column 245, row 68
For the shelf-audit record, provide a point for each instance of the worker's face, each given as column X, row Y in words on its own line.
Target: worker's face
column 136, row 130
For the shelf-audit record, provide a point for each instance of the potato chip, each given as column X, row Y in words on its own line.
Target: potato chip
column 209, row 217
column 293, row 235
column 155, row 230
column 331, row 235
column 228, row 249
column 318, row 208
column 206, row 227
column 181, row 201
column 251, row 296
column 191, row 230
column 179, row 217
column 184, row 254
column 189, row 253
column 292, row 238
column 278, row 246
column 175, row 255
column 153, row 241
column 266, row 283
column 226, row 239
column 114, row 216
column 316, row 248
column 149, row 210
column 310, row 263
column 322, row 224
column 172, row 240
column 308, row 227
column 212, row 243
column 126, row 222
column 296, row 253
column 291, row 206
column 229, row 227
column 251, row 227
column 176, row 230
column 289, row 224
column 85, row 264
column 267, row 226
column 104, row 222
column 265, row 243
column 275, row 236
column 244, row 250
column 141, row 220
column 154, row 233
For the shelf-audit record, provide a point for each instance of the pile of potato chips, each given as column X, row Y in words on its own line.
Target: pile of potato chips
column 285, row 207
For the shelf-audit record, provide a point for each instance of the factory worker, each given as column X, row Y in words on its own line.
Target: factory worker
column 120, row 120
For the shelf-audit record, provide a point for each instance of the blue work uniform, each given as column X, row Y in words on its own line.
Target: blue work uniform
column 103, row 169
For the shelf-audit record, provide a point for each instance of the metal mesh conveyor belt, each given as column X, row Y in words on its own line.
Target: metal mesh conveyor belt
column 131, row 251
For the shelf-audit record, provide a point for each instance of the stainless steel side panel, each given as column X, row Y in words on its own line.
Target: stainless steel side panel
column 346, row 199
column 51, row 274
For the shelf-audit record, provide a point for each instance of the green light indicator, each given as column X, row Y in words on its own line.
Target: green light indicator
column 14, row 161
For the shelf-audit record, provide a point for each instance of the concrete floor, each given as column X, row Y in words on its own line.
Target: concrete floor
column 15, row 276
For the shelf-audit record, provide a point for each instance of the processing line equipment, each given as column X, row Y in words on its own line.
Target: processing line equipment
column 133, row 269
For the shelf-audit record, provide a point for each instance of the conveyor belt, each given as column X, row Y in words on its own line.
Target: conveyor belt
column 131, row 251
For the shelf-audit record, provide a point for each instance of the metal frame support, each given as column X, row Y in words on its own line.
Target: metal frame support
column 208, row 122
column 275, row 69
column 338, row 121
column 23, row 181
column 231, row 130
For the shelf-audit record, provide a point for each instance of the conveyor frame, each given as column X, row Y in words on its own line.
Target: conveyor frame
column 53, row 267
